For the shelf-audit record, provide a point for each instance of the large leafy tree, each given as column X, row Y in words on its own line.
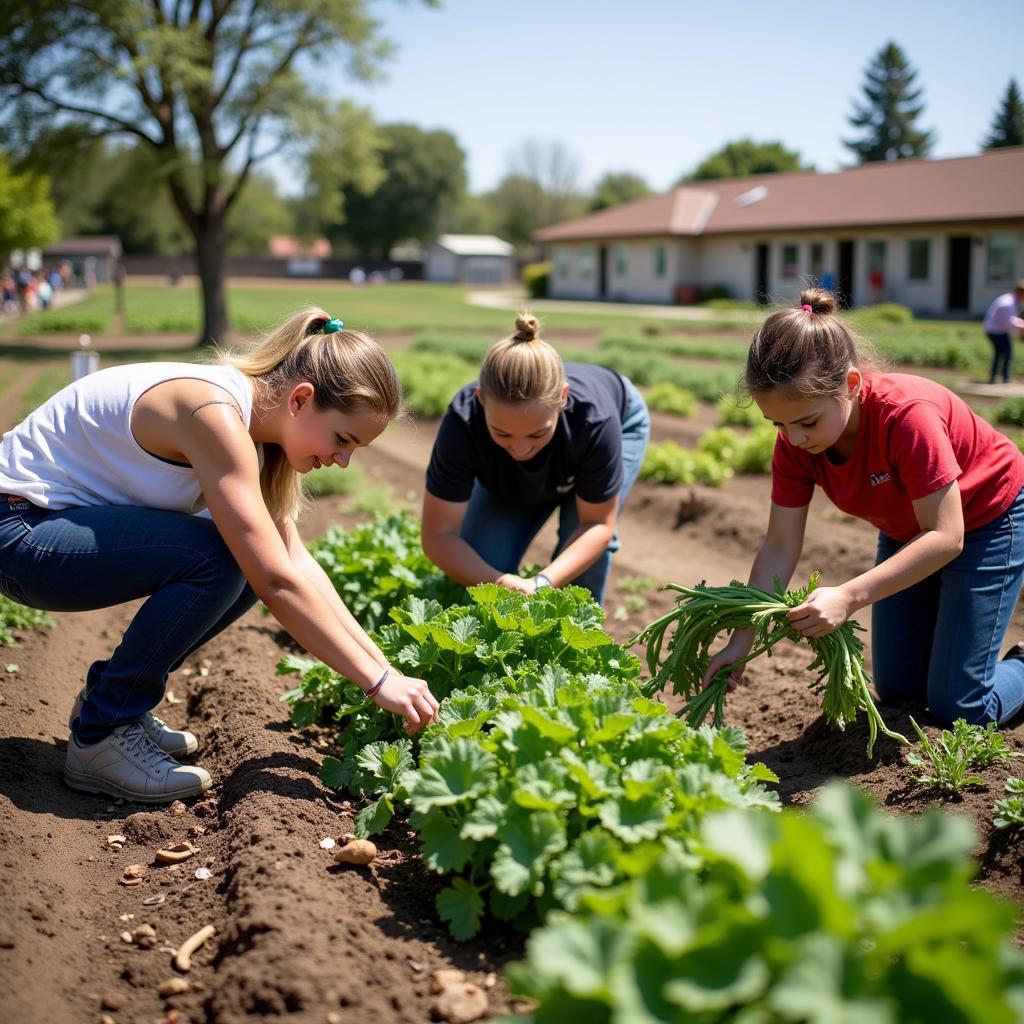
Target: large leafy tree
column 424, row 177
column 26, row 211
column 887, row 116
column 617, row 187
column 1008, row 123
column 744, row 157
column 210, row 85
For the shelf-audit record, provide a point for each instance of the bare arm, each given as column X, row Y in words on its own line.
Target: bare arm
column 220, row 450
column 306, row 564
column 442, row 544
column 587, row 542
column 941, row 518
column 777, row 557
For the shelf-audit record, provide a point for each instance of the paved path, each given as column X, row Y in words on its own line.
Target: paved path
column 515, row 300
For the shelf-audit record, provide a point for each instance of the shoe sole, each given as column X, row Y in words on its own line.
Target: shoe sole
column 87, row 784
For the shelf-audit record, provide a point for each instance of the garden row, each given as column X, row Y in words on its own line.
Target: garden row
column 655, row 870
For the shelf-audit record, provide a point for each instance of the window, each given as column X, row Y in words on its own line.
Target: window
column 876, row 256
column 660, row 261
column 1002, row 259
column 919, row 253
column 585, row 261
column 790, row 260
column 562, row 262
column 621, row 261
column 816, row 258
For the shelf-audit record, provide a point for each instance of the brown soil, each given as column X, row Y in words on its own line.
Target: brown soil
column 298, row 938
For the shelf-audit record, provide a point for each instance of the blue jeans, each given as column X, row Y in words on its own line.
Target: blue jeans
column 939, row 640
column 78, row 559
column 501, row 533
column 1002, row 357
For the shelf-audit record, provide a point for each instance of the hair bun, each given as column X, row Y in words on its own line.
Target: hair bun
column 818, row 299
column 527, row 327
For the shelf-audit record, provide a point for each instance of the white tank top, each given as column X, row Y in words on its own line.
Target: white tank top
column 78, row 448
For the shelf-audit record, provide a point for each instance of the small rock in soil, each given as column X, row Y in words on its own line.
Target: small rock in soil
column 177, row 807
column 206, row 809
column 460, row 1004
column 154, row 901
column 107, row 1019
column 173, row 987
column 113, row 1001
column 144, row 936
column 359, row 851
column 445, row 978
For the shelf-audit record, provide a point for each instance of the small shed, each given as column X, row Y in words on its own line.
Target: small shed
column 471, row 259
column 93, row 258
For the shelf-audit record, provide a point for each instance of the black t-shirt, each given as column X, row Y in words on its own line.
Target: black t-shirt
column 584, row 456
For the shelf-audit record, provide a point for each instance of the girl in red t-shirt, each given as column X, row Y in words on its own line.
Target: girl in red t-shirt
column 944, row 490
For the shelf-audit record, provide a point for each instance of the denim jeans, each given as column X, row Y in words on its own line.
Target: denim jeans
column 1002, row 357
column 501, row 533
column 939, row 640
column 78, row 559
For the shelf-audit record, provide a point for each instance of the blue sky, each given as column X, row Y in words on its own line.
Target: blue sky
column 653, row 86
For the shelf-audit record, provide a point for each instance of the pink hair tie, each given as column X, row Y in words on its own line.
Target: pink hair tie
column 807, row 309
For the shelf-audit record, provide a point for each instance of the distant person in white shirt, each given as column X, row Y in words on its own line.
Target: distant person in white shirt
column 1003, row 316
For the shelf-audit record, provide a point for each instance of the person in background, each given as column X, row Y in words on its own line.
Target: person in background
column 532, row 436
column 106, row 485
column 1002, row 318
column 941, row 485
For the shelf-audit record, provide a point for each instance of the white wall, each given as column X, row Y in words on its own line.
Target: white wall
column 441, row 265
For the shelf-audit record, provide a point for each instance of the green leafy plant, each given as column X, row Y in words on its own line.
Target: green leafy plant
column 17, row 616
column 431, row 379
column 672, row 399
column 1010, row 412
column 572, row 785
column 843, row 915
column 376, row 566
column 702, row 613
column 946, row 763
column 1009, row 811
column 666, row 462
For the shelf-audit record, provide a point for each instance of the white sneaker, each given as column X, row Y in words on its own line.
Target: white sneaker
column 176, row 742
column 128, row 764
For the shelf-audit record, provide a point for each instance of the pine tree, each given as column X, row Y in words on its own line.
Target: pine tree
column 890, row 111
column 1008, row 124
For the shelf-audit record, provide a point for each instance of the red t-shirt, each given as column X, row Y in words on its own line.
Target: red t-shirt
column 914, row 437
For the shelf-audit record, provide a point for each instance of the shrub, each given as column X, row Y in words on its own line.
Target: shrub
column 1011, row 412
column 536, row 278
column 732, row 414
column 672, row 399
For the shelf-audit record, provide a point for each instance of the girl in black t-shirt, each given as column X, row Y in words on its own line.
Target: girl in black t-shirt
column 530, row 436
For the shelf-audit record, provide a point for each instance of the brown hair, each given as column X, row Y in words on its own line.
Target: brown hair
column 806, row 349
column 348, row 370
column 523, row 367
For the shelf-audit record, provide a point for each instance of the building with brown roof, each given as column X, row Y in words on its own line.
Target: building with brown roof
column 943, row 237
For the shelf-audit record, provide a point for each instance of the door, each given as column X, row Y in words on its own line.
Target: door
column 602, row 272
column 844, row 284
column 761, row 274
column 958, row 282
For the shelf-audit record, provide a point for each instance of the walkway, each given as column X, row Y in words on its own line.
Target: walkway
column 515, row 300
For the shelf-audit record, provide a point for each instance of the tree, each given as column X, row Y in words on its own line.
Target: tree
column 26, row 212
column 424, row 175
column 541, row 187
column 744, row 157
column 889, row 112
column 617, row 187
column 1008, row 124
column 212, row 85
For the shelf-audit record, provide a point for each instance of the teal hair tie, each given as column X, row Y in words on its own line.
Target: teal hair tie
column 333, row 326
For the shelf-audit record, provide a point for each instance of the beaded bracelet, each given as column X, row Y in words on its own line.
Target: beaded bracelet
column 375, row 689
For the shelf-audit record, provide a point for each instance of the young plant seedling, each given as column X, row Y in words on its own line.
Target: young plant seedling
column 1009, row 811
column 946, row 763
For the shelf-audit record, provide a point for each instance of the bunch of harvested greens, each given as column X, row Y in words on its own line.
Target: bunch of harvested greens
column 702, row 613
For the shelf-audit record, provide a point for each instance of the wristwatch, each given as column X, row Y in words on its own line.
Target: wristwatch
column 540, row 581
